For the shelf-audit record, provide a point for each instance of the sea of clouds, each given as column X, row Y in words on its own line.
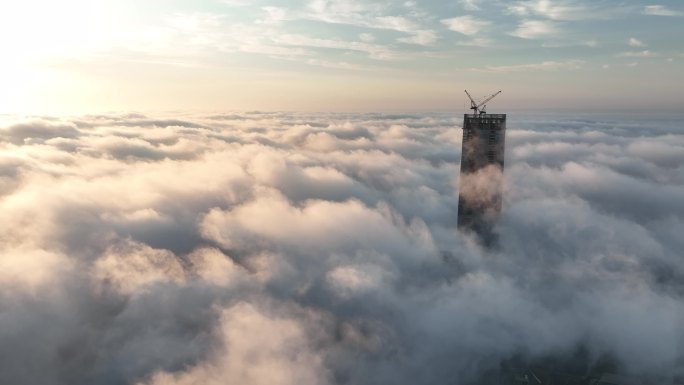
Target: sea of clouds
column 277, row 249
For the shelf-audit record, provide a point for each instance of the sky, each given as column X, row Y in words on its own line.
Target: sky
column 313, row 248
column 81, row 56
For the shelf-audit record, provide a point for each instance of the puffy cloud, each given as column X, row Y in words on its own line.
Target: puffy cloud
column 129, row 267
column 313, row 248
column 257, row 349
column 38, row 130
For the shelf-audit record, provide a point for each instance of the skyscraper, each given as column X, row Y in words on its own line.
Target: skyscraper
column 482, row 164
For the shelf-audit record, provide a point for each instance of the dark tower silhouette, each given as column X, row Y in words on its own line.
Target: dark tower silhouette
column 482, row 164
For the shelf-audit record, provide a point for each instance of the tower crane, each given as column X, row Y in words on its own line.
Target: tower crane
column 475, row 106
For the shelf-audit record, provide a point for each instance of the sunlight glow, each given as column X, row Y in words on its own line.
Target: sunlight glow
column 37, row 36
column 37, row 29
column 324, row 55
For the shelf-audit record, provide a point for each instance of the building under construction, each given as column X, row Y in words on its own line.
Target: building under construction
column 482, row 164
column 479, row 205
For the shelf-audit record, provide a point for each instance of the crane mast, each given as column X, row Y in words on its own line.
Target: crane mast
column 475, row 106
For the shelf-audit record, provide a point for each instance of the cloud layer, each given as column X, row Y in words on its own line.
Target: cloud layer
column 274, row 248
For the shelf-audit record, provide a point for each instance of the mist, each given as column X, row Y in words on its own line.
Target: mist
column 282, row 248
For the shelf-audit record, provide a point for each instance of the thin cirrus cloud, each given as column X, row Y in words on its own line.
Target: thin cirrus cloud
column 477, row 42
column 644, row 53
column 375, row 51
column 543, row 66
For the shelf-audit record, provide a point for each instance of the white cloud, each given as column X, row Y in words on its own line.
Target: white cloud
column 371, row 15
column 337, row 65
column 395, row 23
column 543, row 66
column 375, row 51
column 306, row 248
column 367, row 15
column 554, row 10
column 425, row 38
column 477, row 42
column 367, row 37
column 644, row 53
column 274, row 15
column 635, row 42
column 565, row 44
column 338, row 10
column 183, row 33
column 131, row 266
column 660, row 10
column 467, row 25
column 258, row 348
column 470, row 5
column 535, row 29
column 237, row 3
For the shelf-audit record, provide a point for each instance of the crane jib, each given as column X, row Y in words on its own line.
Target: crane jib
column 481, row 106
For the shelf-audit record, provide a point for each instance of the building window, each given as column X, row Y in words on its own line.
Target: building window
column 492, row 137
column 491, row 156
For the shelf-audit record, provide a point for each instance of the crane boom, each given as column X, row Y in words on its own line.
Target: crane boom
column 476, row 106
column 473, row 104
column 488, row 99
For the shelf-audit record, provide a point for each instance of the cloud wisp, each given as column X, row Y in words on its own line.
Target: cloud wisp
column 543, row 66
column 277, row 248
column 467, row 25
column 535, row 29
column 660, row 10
